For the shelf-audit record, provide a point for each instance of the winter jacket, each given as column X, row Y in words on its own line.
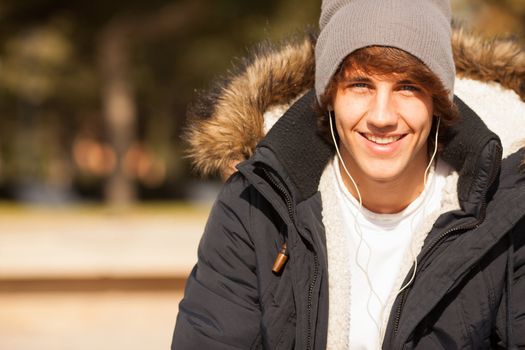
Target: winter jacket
column 470, row 278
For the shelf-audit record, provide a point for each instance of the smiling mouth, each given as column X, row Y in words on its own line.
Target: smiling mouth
column 382, row 140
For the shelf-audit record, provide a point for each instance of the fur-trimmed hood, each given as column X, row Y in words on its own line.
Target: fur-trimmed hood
column 226, row 123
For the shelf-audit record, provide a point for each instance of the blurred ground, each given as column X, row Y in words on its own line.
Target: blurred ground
column 90, row 320
column 93, row 278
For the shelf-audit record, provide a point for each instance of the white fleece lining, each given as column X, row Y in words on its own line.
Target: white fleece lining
column 449, row 202
column 501, row 109
column 338, row 270
column 274, row 113
column 503, row 112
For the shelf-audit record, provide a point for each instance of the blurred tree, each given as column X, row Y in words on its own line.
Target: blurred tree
column 504, row 16
column 107, row 79
column 118, row 98
column 93, row 93
column 493, row 17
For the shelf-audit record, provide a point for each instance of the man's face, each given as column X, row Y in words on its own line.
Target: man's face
column 383, row 124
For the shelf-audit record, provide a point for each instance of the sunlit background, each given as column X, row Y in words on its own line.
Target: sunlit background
column 100, row 213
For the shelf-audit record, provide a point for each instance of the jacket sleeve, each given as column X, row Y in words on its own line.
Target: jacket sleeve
column 220, row 307
column 515, row 321
column 518, row 288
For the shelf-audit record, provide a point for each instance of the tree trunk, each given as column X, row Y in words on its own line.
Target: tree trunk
column 119, row 111
column 119, row 107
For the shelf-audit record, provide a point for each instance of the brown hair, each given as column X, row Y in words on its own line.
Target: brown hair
column 382, row 61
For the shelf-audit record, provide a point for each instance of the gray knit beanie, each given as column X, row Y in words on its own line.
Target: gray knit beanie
column 419, row 27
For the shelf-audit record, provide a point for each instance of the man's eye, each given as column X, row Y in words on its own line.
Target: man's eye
column 359, row 85
column 409, row 88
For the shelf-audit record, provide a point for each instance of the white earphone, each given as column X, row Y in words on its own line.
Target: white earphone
column 364, row 269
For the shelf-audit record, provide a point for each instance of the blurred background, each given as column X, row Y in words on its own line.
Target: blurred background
column 100, row 214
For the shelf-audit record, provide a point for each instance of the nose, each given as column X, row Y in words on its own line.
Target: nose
column 382, row 113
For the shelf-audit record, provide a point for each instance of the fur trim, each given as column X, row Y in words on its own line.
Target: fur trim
column 226, row 124
column 499, row 60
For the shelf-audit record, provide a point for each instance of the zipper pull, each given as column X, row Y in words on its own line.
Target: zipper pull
column 280, row 260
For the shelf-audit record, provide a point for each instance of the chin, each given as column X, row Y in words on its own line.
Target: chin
column 383, row 178
column 383, row 172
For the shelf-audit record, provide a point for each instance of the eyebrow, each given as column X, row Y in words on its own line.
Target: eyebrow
column 365, row 79
column 407, row 82
column 357, row 78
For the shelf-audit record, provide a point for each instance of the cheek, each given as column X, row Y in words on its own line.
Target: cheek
column 345, row 122
column 357, row 104
column 419, row 114
column 348, row 112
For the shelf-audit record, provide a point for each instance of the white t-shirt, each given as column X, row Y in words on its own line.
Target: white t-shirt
column 382, row 240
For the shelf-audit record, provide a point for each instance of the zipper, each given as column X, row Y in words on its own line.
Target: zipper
column 282, row 256
column 309, row 307
column 284, row 194
column 428, row 253
column 435, row 244
column 282, row 190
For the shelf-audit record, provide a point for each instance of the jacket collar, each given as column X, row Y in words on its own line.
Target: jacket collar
column 300, row 149
column 474, row 152
column 471, row 149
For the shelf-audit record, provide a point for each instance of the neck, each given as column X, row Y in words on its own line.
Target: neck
column 385, row 196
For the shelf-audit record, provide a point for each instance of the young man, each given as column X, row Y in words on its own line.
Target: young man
column 383, row 217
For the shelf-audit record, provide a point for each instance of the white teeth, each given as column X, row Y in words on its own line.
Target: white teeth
column 382, row 140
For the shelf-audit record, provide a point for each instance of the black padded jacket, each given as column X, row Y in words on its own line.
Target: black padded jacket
column 470, row 284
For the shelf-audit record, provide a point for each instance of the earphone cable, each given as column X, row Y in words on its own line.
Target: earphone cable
column 364, row 269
